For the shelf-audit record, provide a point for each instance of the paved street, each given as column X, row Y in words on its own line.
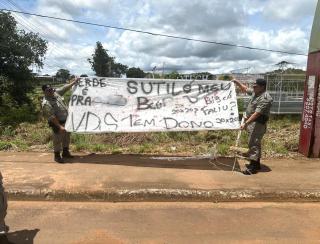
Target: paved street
column 88, row 223
column 274, row 206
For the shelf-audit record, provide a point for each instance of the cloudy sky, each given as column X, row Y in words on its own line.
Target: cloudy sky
column 271, row 24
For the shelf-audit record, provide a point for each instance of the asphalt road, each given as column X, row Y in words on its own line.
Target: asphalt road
column 88, row 223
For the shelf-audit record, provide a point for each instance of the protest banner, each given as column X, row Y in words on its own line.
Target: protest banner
column 99, row 105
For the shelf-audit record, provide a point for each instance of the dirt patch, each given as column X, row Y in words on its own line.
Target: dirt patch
column 99, row 237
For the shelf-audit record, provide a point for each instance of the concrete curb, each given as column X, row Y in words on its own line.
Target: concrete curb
column 168, row 195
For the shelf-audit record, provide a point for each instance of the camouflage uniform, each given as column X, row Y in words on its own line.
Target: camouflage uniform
column 55, row 107
column 3, row 207
column 262, row 104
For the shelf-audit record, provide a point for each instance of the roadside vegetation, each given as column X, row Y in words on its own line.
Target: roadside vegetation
column 24, row 129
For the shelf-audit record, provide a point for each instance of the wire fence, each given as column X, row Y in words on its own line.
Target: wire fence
column 287, row 91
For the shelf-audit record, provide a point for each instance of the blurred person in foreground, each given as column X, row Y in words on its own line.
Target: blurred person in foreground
column 3, row 211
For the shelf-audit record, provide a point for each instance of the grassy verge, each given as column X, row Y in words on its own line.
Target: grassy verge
column 281, row 140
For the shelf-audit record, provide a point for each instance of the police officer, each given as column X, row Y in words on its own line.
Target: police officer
column 56, row 111
column 256, row 118
column 3, row 210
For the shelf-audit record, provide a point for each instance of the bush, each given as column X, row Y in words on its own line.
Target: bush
column 16, row 115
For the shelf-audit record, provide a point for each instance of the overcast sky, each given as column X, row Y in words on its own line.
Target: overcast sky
column 273, row 24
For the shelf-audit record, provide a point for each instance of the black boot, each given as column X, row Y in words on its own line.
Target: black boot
column 58, row 158
column 252, row 168
column 254, row 163
column 66, row 153
column 258, row 165
column 4, row 230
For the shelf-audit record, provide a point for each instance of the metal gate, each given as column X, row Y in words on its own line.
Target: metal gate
column 287, row 92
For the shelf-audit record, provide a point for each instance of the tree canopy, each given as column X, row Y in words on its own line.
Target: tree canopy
column 225, row 77
column 135, row 73
column 63, row 74
column 105, row 65
column 18, row 51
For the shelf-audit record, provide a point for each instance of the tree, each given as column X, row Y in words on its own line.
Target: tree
column 63, row 74
column 205, row 75
column 173, row 75
column 4, row 84
column 287, row 71
column 18, row 51
column 283, row 65
column 135, row 73
column 225, row 77
column 105, row 65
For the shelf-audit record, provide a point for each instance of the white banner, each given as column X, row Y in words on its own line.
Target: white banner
column 134, row 105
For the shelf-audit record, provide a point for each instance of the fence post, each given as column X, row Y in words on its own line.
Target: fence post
column 280, row 94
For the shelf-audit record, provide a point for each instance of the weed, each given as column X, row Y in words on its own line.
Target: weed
column 4, row 145
column 223, row 149
column 13, row 145
column 281, row 139
column 8, row 131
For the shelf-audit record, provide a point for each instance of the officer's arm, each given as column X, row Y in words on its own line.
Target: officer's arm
column 252, row 118
column 67, row 87
column 49, row 114
column 56, row 122
column 242, row 87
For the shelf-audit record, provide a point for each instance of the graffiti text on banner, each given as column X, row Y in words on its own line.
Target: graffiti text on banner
column 100, row 105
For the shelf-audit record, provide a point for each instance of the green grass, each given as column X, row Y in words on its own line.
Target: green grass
column 274, row 147
column 4, row 145
column 16, row 145
column 281, row 140
column 223, row 149
column 8, row 131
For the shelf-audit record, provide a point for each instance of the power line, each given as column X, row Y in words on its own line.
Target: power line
column 158, row 34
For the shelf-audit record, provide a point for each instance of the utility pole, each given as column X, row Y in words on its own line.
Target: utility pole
column 153, row 70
